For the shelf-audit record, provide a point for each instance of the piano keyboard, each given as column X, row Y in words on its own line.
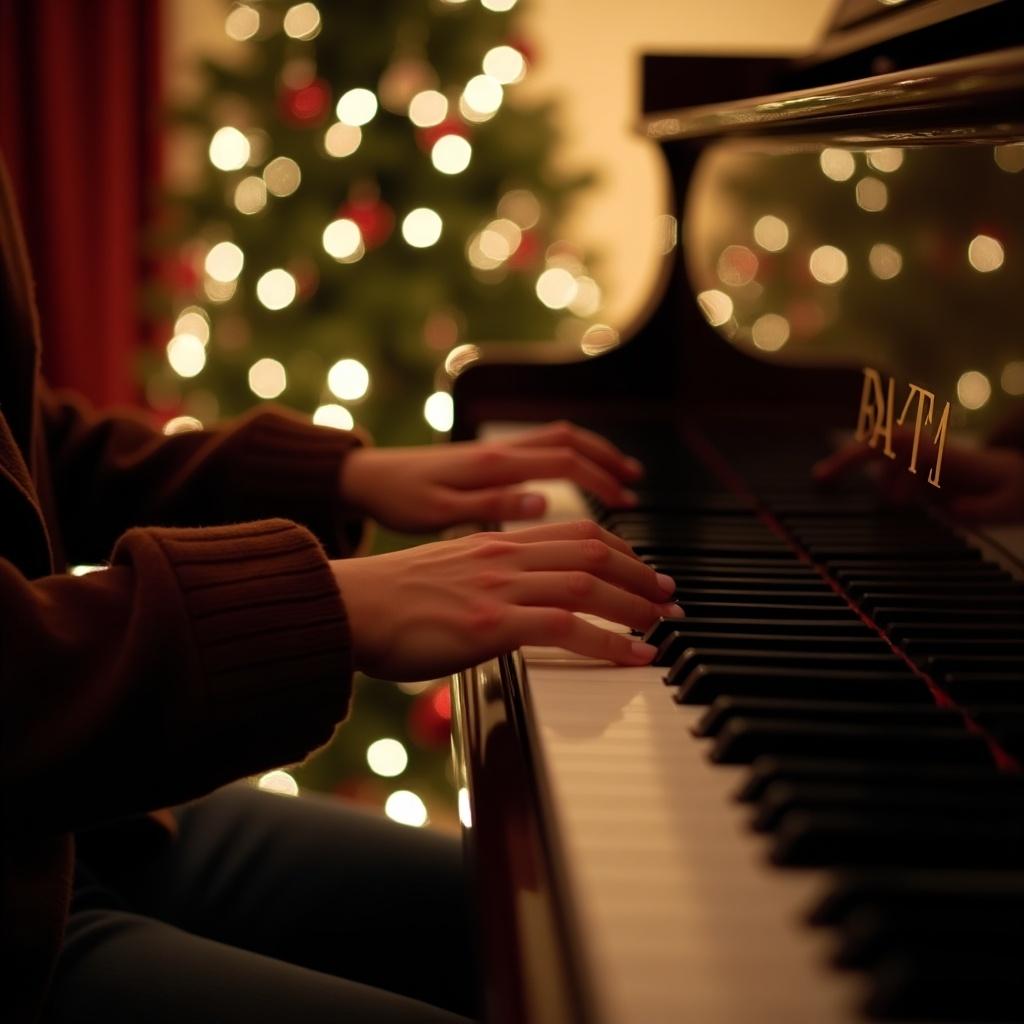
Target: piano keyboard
column 808, row 809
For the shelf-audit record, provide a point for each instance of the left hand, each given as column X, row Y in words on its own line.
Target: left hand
column 432, row 487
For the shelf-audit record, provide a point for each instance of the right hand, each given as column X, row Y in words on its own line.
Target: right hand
column 437, row 608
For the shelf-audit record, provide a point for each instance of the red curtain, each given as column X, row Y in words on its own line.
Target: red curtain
column 79, row 130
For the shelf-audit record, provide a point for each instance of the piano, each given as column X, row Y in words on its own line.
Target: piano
column 809, row 809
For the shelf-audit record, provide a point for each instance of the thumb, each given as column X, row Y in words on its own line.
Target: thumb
column 497, row 504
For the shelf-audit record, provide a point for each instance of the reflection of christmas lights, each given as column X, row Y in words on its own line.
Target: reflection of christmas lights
column 406, row 808
column 229, row 149
column 357, row 107
column 267, row 378
column 451, row 154
column 973, row 389
column 828, row 264
column 333, row 415
column 439, row 411
column 348, row 380
column 1011, row 380
column 276, row 289
column 985, row 254
column 279, row 782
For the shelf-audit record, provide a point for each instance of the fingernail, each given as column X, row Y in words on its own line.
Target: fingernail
column 671, row 611
column 530, row 504
column 635, row 466
column 666, row 582
column 641, row 651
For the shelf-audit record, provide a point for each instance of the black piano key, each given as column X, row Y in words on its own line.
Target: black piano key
column 898, row 567
column 964, row 617
column 849, row 627
column 741, row 740
column 782, row 798
column 960, row 589
column 925, row 599
column 706, row 682
column 983, row 687
column 767, row 770
column 676, row 644
column 944, row 664
column 697, row 593
column 954, row 986
column 925, row 643
column 737, row 566
column 910, row 889
column 724, row 709
column 713, row 584
column 876, row 839
column 768, row 609
column 694, row 656
column 904, row 632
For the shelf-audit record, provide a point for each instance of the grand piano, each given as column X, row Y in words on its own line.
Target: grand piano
column 810, row 808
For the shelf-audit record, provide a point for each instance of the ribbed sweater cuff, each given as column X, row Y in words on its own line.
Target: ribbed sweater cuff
column 271, row 642
column 291, row 468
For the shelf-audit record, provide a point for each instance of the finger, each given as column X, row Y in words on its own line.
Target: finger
column 495, row 504
column 508, row 465
column 577, row 530
column 557, row 627
column 595, row 447
column 581, row 592
column 596, row 558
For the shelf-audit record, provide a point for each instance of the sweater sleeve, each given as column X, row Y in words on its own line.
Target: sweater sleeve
column 113, row 472
column 199, row 657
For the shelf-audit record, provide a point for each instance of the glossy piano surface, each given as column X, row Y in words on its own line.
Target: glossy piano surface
column 857, row 671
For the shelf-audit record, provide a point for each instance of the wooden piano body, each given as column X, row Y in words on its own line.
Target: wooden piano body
column 611, row 888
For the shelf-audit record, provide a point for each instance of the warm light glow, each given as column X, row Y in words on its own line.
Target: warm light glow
column 885, row 261
column 885, row 160
column 465, row 809
column 872, row 194
column 837, row 164
column 505, row 64
column 985, row 254
column 387, row 757
column 451, row 154
column 229, row 149
column 498, row 5
column 342, row 139
column 520, row 205
column 193, row 320
column 587, row 300
column 666, row 231
column 282, row 176
column 428, row 108
column 333, row 415
column 459, row 358
column 828, row 264
column 439, row 411
column 85, row 570
column 182, row 425
column 250, row 195
column 716, row 306
column 500, row 239
column 770, row 332
column 224, row 262
column 1012, row 378
column 267, row 378
column 737, row 266
column 186, row 355
column 242, row 23
column 973, row 389
column 276, row 289
column 406, row 808
column 302, row 21
column 348, row 380
column 598, row 338
column 483, row 94
column 556, row 288
column 279, row 782
column 1010, row 158
column 342, row 239
column 219, row 291
column 357, row 107
column 771, row 233
column 421, row 227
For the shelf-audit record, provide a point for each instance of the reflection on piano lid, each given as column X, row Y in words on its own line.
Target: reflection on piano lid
column 809, row 808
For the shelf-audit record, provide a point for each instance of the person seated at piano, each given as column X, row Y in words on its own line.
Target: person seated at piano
column 221, row 642
column 979, row 484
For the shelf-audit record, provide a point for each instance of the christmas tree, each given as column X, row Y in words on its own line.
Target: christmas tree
column 372, row 201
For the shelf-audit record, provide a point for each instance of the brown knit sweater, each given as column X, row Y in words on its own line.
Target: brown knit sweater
column 215, row 646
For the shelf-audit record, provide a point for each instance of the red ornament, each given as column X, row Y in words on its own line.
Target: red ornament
column 527, row 49
column 426, row 137
column 307, row 105
column 527, row 252
column 375, row 219
column 430, row 718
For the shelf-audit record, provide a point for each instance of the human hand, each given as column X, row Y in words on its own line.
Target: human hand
column 431, row 487
column 977, row 483
column 436, row 608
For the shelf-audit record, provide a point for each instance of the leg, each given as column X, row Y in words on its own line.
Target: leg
column 315, row 883
column 121, row 968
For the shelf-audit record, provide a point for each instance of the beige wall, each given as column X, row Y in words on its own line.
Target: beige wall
column 588, row 53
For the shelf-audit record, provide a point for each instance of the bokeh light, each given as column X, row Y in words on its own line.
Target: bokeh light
column 186, row 355
column 439, row 411
column 872, row 194
column 885, row 261
column 224, row 262
column 828, row 264
column 267, row 378
column 276, row 289
column 985, row 253
column 421, row 227
column 973, row 389
column 242, row 23
column 279, row 782
column 342, row 140
column 771, row 233
column 716, row 306
column 837, row 164
column 406, row 808
column 357, row 107
column 348, row 380
column 302, row 21
column 342, row 239
column 505, row 64
column 451, row 154
column 282, row 176
column 556, row 287
column 770, row 332
column 229, row 149
column 250, row 195
column 387, row 757
column 333, row 415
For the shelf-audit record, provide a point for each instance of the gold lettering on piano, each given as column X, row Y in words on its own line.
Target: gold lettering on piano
column 875, row 421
